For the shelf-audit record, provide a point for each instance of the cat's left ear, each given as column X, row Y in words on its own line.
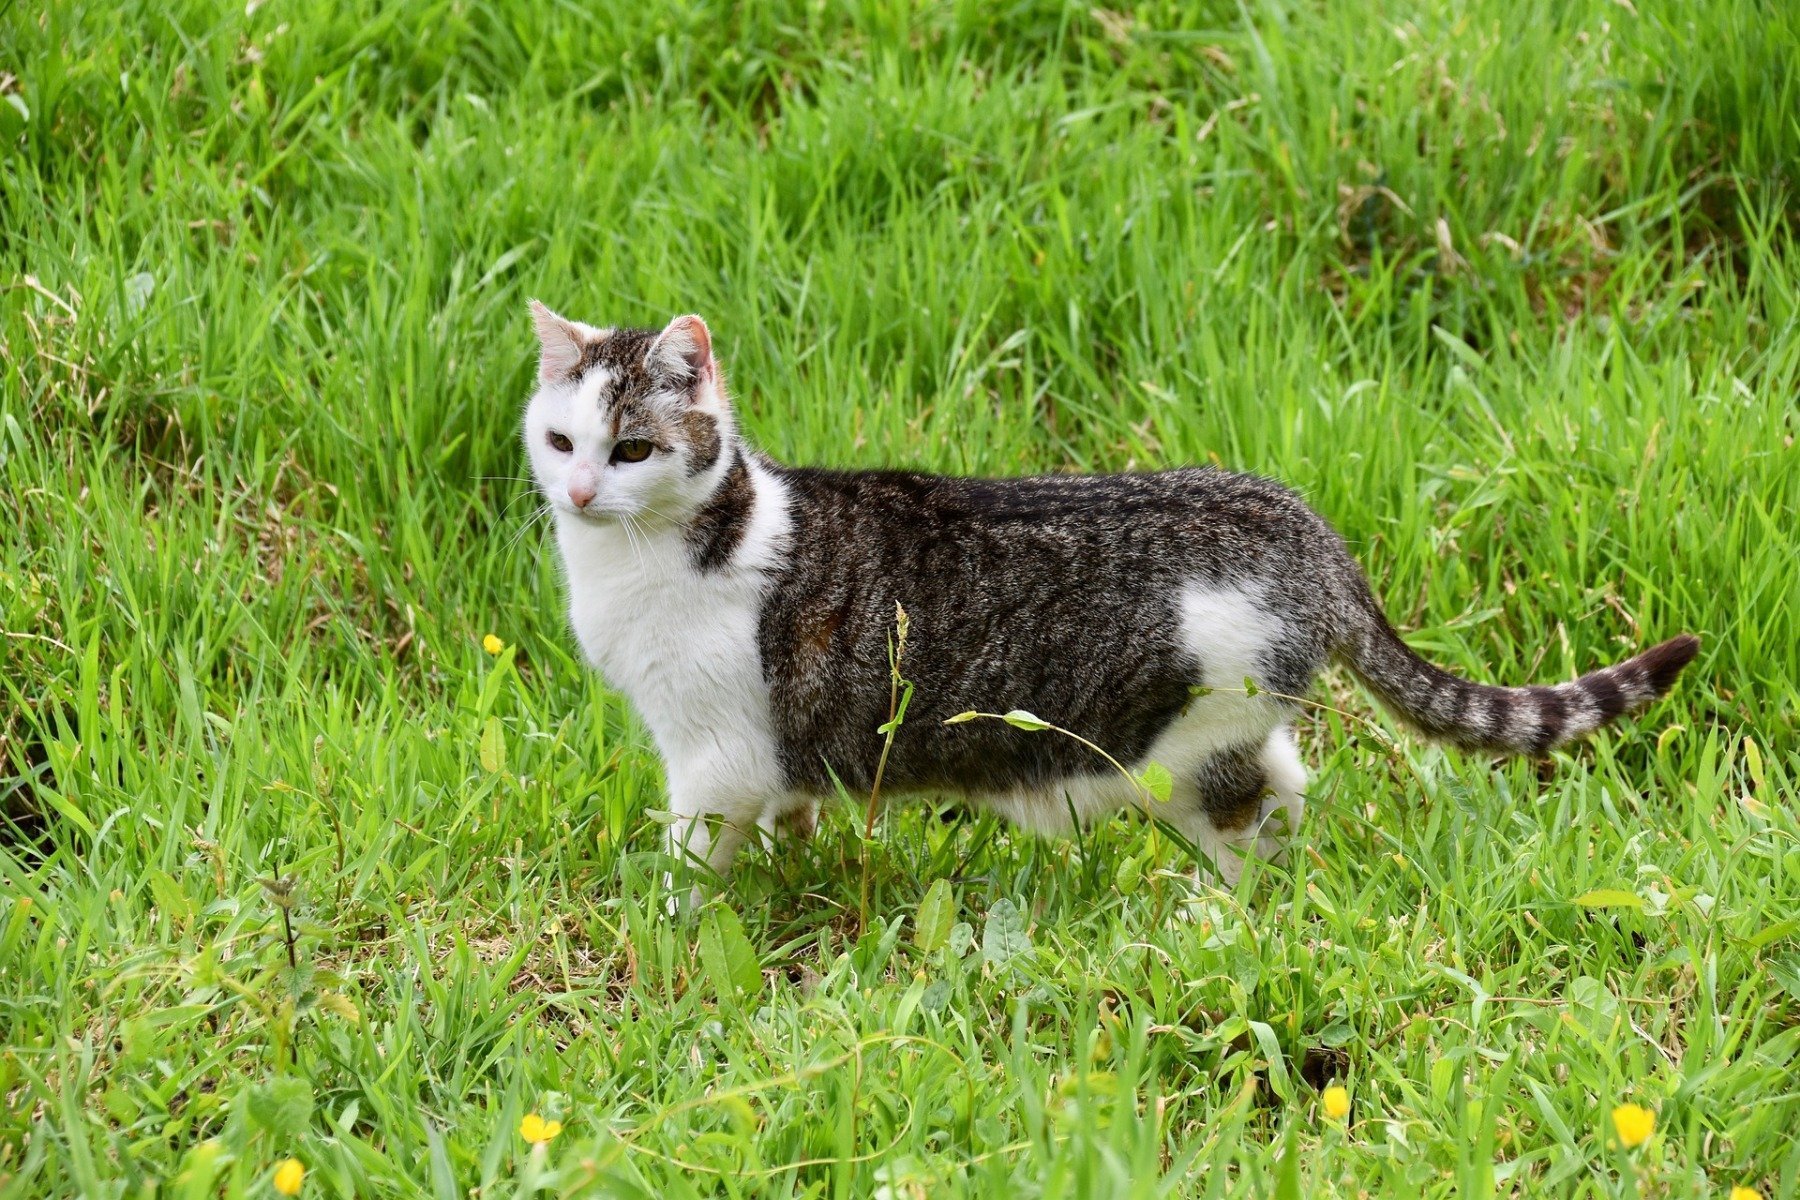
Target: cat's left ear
column 683, row 351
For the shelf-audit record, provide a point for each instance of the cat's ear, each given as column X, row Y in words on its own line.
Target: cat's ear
column 561, row 343
column 682, row 351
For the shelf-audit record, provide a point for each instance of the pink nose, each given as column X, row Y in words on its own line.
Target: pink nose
column 580, row 493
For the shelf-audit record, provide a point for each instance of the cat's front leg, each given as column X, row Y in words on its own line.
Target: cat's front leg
column 701, row 849
column 715, row 812
column 710, row 837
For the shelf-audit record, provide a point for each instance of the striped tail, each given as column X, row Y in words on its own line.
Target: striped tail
column 1519, row 720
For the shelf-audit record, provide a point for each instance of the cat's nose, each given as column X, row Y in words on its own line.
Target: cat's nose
column 580, row 492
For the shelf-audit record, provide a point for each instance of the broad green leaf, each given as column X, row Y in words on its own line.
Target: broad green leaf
column 340, row 1005
column 1609, row 898
column 282, row 1106
column 1003, row 937
column 494, row 680
column 1096, row 1087
column 727, row 955
column 443, row 1175
column 899, row 717
column 14, row 116
column 169, row 897
column 1338, row 1033
column 1018, row 718
column 1270, row 1045
column 1156, row 780
column 197, row 1169
column 1128, row 875
column 937, row 912
column 1287, row 1169
column 145, row 1035
column 120, row 1105
column 493, row 747
column 1593, row 1006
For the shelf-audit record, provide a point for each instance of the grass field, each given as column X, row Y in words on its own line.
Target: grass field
column 1509, row 290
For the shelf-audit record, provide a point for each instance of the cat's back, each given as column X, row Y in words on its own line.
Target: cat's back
column 866, row 516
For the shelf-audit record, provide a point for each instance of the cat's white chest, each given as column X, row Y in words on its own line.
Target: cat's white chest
column 680, row 644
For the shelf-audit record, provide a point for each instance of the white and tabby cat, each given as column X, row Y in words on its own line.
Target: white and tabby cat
column 744, row 608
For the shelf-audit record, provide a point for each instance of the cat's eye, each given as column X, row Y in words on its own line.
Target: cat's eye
column 631, row 450
column 560, row 443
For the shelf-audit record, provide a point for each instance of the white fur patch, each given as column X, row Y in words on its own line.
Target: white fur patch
column 594, row 384
column 682, row 647
column 1228, row 630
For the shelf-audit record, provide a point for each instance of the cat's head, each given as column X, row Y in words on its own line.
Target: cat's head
column 626, row 422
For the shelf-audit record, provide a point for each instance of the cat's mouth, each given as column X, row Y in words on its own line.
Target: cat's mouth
column 591, row 515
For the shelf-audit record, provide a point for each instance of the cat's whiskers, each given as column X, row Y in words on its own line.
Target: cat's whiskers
column 631, row 538
column 660, row 515
column 542, row 510
column 507, row 507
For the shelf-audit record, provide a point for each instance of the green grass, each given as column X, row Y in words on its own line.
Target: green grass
column 1509, row 290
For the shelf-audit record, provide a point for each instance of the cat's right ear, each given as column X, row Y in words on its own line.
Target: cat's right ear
column 561, row 343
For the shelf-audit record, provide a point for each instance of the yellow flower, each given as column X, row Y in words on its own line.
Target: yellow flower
column 289, row 1175
column 492, row 644
column 536, row 1130
column 1741, row 1192
column 1634, row 1124
column 1337, row 1103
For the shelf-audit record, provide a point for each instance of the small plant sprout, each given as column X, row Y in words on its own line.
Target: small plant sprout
column 900, row 693
column 282, row 895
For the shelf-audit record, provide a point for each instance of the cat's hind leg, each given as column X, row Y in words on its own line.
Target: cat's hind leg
column 1284, row 799
column 1240, row 802
column 792, row 819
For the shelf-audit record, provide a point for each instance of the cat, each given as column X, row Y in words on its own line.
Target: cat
column 745, row 608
